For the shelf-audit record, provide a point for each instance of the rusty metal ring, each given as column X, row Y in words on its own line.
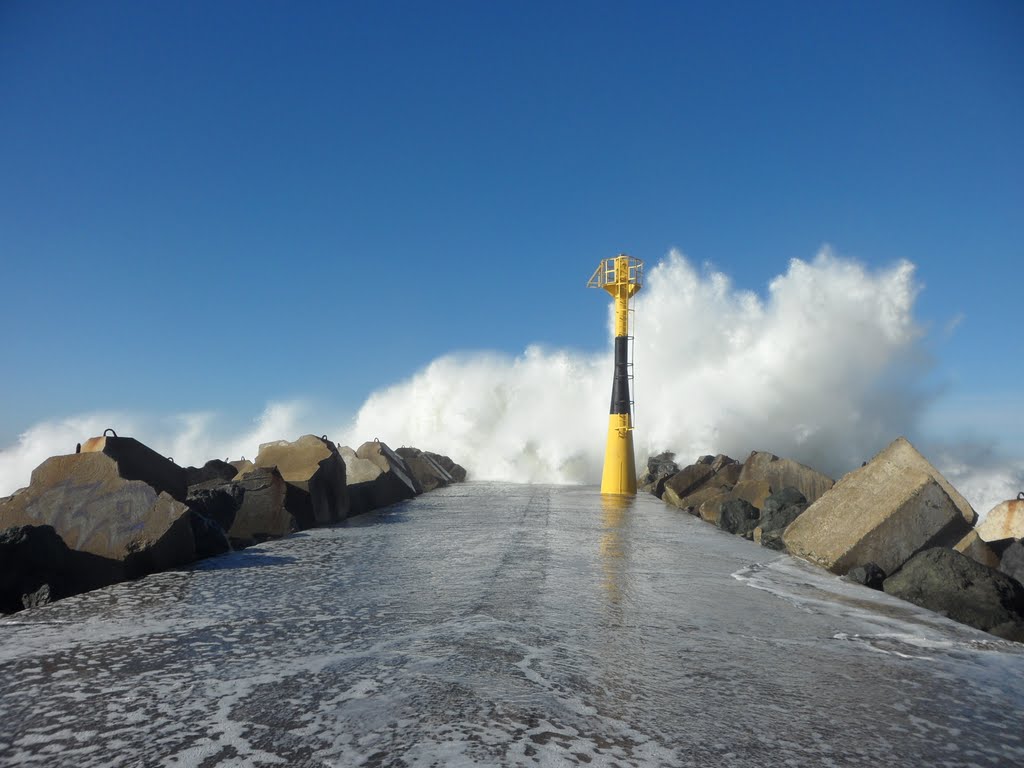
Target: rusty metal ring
column 110, row 430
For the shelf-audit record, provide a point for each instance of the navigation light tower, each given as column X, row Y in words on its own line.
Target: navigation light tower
column 622, row 277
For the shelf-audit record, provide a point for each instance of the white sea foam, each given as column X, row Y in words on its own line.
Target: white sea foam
column 827, row 367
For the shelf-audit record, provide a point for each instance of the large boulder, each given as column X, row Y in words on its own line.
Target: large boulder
column 659, row 469
column 952, row 584
column 212, row 472
column 884, row 512
column 738, row 516
column 718, row 483
column 377, row 477
column 1012, row 561
column 686, row 481
column 136, row 461
column 754, row 492
column 126, row 526
column 33, row 567
column 262, row 512
column 313, row 466
column 785, row 473
column 428, row 473
column 1004, row 521
column 457, row 471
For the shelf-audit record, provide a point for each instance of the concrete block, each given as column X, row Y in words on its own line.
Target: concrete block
column 884, row 513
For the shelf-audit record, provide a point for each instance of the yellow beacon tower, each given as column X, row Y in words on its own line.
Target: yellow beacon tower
column 622, row 277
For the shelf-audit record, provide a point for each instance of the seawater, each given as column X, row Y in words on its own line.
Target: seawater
column 498, row 624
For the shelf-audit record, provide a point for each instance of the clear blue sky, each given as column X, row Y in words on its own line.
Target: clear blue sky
column 209, row 205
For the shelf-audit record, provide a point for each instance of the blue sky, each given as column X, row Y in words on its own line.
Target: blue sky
column 213, row 205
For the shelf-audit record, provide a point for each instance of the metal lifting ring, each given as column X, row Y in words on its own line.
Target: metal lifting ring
column 1020, row 496
column 324, row 438
column 110, row 430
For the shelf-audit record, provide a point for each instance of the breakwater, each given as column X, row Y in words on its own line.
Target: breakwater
column 507, row 625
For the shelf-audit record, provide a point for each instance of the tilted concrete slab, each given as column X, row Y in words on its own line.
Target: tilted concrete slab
column 884, row 513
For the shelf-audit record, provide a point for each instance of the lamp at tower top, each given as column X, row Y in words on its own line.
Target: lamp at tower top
column 616, row 272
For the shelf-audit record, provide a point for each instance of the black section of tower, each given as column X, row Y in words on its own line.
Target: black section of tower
column 620, row 384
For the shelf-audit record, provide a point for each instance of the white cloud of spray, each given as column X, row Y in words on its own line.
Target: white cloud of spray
column 826, row 368
column 823, row 370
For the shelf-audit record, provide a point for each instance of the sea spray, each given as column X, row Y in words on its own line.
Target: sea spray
column 827, row 367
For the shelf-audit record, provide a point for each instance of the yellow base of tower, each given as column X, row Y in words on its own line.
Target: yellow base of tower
column 619, row 475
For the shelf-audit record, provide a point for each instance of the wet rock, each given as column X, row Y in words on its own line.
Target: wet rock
column 884, row 513
column 31, row 558
column 754, row 492
column 126, row 525
column 429, row 474
column 1004, row 521
column 659, row 469
column 869, row 574
column 457, row 472
column 686, row 481
column 209, row 536
column 952, row 584
column 41, row 596
column 716, row 486
column 785, row 473
column 770, row 539
column 314, row 467
column 1012, row 561
column 779, row 519
column 738, row 516
column 787, row 497
column 214, row 471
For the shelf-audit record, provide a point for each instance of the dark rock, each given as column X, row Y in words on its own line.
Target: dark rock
column 952, row 584
column 219, row 504
column 209, row 536
column 869, row 574
column 778, row 519
column 1012, row 562
column 787, row 497
column 771, row 539
column 213, row 471
column 659, row 469
column 457, row 472
column 31, row 557
column 738, row 516
column 41, row 596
